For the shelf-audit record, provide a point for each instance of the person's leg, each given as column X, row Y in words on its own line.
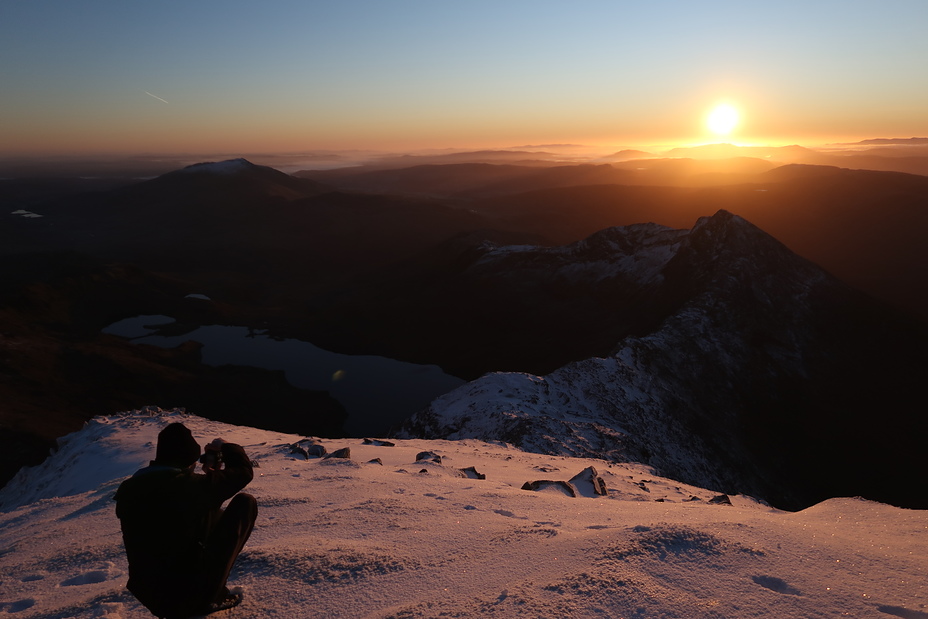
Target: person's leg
column 226, row 541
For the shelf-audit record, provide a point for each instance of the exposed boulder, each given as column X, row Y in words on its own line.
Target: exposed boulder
column 589, row 483
column 545, row 484
column 308, row 448
column 472, row 473
column 344, row 452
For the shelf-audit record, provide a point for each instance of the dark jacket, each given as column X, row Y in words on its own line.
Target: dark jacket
column 166, row 515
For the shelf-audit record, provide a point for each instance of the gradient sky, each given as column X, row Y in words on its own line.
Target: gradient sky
column 243, row 77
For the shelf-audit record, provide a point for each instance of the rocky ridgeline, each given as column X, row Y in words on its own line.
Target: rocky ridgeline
column 750, row 383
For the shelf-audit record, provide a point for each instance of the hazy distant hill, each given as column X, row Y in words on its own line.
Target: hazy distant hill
column 249, row 221
column 474, row 180
column 904, row 156
column 627, row 154
column 906, row 141
column 782, row 154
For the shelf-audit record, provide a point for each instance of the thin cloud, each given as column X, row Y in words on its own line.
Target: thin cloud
column 155, row 96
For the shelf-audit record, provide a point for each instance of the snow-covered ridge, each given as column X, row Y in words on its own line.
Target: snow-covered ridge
column 389, row 533
column 636, row 253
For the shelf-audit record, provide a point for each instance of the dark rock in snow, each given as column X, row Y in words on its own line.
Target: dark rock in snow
column 721, row 499
column 316, row 450
column 308, row 448
column 563, row 486
column 472, row 473
column 589, row 483
column 344, row 452
column 428, row 455
column 378, row 442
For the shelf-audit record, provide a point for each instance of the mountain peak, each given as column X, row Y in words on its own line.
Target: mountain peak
column 725, row 231
column 225, row 168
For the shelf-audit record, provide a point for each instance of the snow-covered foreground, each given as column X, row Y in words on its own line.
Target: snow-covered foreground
column 405, row 538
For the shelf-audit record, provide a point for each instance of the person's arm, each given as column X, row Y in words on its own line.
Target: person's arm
column 236, row 473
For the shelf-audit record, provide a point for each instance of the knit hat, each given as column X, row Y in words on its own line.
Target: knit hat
column 177, row 446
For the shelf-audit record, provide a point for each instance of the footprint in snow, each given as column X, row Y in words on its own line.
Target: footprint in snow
column 775, row 584
column 32, row 578
column 905, row 613
column 509, row 514
column 93, row 576
column 18, row 605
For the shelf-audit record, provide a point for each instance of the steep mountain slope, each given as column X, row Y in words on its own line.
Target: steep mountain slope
column 762, row 375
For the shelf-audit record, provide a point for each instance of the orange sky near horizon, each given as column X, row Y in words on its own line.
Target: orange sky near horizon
column 119, row 78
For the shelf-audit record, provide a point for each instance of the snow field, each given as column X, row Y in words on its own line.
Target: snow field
column 401, row 538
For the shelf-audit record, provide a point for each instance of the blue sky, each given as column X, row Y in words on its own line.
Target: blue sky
column 170, row 76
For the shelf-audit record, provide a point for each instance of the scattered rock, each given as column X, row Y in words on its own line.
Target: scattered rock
column 316, row 450
column 564, row 486
column 472, row 473
column 344, row 452
column 721, row 499
column 589, row 483
column 378, row 442
column 431, row 456
column 424, row 472
column 376, row 461
column 308, row 448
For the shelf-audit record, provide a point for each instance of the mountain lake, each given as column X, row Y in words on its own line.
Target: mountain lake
column 377, row 392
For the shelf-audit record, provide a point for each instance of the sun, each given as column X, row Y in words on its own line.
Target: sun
column 722, row 119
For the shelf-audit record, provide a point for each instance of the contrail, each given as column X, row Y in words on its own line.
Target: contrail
column 155, row 96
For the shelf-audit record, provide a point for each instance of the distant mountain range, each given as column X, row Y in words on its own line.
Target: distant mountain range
column 867, row 227
column 745, row 356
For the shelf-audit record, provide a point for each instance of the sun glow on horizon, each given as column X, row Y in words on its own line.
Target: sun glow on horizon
column 722, row 119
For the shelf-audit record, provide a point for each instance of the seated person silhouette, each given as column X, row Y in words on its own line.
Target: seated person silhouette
column 180, row 543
